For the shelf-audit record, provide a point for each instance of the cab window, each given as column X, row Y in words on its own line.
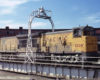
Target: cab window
column 77, row 33
column 88, row 33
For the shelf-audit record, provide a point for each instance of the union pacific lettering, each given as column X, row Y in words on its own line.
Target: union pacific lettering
column 12, row 42
column 56, row 39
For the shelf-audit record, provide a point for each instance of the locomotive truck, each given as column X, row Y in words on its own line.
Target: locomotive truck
column 61, row 46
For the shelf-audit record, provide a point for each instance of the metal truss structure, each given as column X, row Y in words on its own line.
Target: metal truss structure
column 40, row 13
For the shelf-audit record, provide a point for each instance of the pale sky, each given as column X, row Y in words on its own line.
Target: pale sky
column 65, row 13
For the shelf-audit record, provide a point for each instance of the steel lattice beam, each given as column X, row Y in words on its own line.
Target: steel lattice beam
column 40, row 13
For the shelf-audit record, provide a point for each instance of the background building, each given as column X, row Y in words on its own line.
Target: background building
column 6, row 32
column 97, row 33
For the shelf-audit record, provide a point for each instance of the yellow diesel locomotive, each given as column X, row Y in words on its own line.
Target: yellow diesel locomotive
column 60, row 45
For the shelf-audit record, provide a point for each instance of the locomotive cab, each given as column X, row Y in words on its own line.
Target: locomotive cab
column 84, row 40
column 83, row 31
column 88, row 31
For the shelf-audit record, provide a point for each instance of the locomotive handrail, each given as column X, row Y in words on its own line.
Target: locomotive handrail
column 51, row 60
column 57, row 56
column 48, row 60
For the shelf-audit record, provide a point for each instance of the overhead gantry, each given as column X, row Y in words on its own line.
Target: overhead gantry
column 40, row 13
